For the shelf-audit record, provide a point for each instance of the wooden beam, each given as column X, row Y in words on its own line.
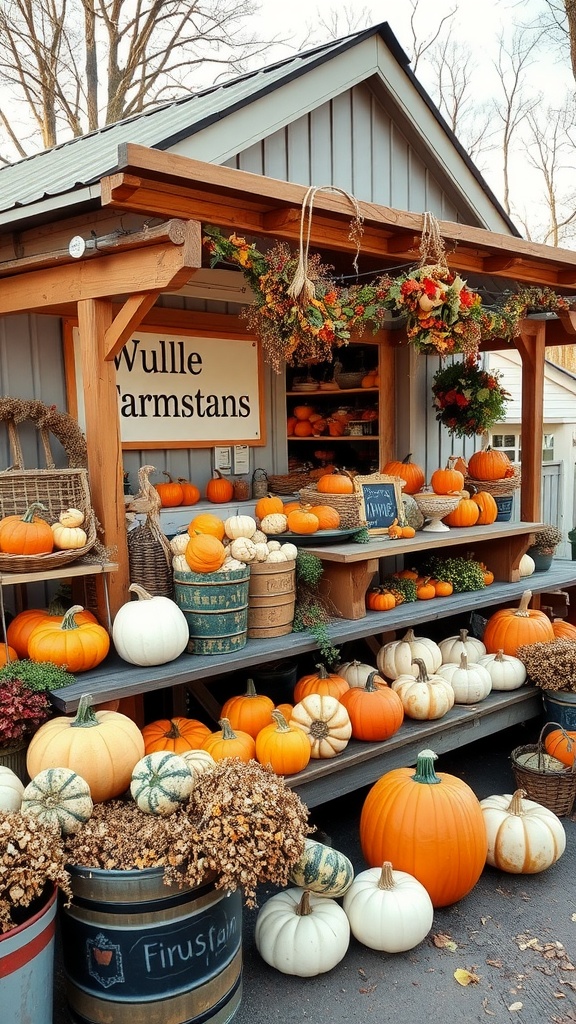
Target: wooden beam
column 152, row 268
column 103, row 443
column 532, row 346
column 126, row 321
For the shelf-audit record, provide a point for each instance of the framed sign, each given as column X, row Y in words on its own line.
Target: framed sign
column 179, row 390
column 380, row 499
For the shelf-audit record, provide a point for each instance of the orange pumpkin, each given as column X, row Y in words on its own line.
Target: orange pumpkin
column 326, row 684
column 488, row 507
column 375, row 710
column 335, row 483
column 443, row 588
column 425, row 590
column 290, row 506
column 250, row 711
column 77, row 645
column 27, row 534
column 319, row 427
column 380, row 600
column 466, row 513
column 561, row 744
column 303, row 412
column 368, row 379
column 174, row 734
column 412, row 474
column 446, row 481
column 489, row 464
column 19, row 630
column 190, row 493
column 336, row 427
column 285, row 747
column 206, row 522
column 563, row 630
column 303, row 428
column 7, row 654
column 511, row 628
column 267, row 505
column 290, row 424
column 204, row 553
column 171, row 492
column 226, row 742
column 301, row 520
column 328, row 517
column 219, row 490
column 286, row 710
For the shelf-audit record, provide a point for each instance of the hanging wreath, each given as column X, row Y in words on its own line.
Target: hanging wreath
column 468, row 399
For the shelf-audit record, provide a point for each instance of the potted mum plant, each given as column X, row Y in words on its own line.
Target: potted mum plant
column 545, row 543
column 24, row 705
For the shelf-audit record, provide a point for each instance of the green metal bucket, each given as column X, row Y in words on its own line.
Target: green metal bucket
column 216, row 608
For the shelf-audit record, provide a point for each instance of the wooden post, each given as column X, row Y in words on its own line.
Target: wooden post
column 531, row 346
column 103, row 444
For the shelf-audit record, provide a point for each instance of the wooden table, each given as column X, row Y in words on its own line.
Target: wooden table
column 349, row 569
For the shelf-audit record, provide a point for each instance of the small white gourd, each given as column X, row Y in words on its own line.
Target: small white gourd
column 274, row 545
column 239, row 526
column 302, row 934
column 276, row 556
column 179, row 543
column 58, row 796
column 198, row 761
column 161, row 781
column 258, row 537
column 275, row 522
column 179, row 564
column 527, row 565
column 290, row 550
column 261, row 552
column 71, row 517
column 231, row 565
column 11, row 789
column 524, row 837
column 243, row 549
column 68, row 538
column 356, row 673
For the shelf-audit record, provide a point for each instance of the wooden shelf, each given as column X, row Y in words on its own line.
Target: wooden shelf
column 319, row 438
column 65, row 572
column 333, row 391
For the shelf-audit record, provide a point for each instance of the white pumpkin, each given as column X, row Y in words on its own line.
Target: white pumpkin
column 179, row 543
column 388, row 910
column 506, row 671
column 11, row 789
column 523, row 836
column 58, row 796
column 527, row 565
column 425, row 698
column 453, row 646
column 276, row 556
column 71, row 517
column 274, row 545
column 151, row 630
column 161, row 781
column 231, row 565
column 398, row 657
column 239, row 526
column 243, row 549
column 179, row 563
column 275, row 522
column 302, row 934
column 67, row 538
column 356, row 673
column 471, row 683
column 290, row 550
column 262, row 551
column 198, row 761
column 325, row 721
column 258, row 537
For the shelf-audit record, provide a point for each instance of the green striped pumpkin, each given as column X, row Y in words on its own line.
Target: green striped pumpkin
column 58, row 796
column 323, row 870
column 161, row 781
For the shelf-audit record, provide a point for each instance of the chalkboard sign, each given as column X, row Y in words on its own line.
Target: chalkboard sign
column 380, row 499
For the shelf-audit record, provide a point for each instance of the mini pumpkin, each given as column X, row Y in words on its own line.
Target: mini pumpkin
column 160, row 782
column 375, row 711
column 249, row 711
column 322, row 681
column 410, row 472
column 325, row 721
column 204, row 553
column 26, row 534
column 77, row 645
column 11, row 789
column 335, row 483
column 219, row 490
column 227, row 742
column 284, row 747
column 398, row 657
column 58, row 796
column 178, row 735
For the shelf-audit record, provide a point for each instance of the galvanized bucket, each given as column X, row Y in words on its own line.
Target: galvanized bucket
column 27, row 966
column 216, row 607
column 136, row 951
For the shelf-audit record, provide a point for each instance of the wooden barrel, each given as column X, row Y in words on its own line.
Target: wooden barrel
column 216, row 607
column 271, row 598
column 136, row 951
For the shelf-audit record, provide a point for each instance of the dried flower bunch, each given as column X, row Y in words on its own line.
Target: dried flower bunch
column 547, row 540
column 31, row 855
column 242, row 822
column 468, row 399
column 23, row 701
column 551, row 666
column 444, row 315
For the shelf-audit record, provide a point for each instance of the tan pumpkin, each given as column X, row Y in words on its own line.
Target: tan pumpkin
column 326, row 723
column 68, row 537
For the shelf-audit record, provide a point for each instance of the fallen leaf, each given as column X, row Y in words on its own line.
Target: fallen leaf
column 567, row 966
column 444, row 941
column 515, row 1006
column 495, row 963
column 464, row 977
column 490, row 1013
column 484, row 920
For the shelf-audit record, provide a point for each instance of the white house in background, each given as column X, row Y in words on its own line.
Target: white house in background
column 559, row 448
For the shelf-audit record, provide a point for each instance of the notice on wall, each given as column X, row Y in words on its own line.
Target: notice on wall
column 175, row 390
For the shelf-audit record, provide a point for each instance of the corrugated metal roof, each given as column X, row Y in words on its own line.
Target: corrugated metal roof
column 86, row 159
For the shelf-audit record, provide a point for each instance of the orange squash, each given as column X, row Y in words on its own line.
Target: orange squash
column 328, row 517
column 466, row 513
column 446, row 481
column 285, row 747
column 174, row 734
column 561, row 744
column 376, row 711
column 190, row 493
column 326, row 684
column 301, row 520
column 226, row 742
column 290, row 424
column 511, row 628
column 303, row 428
column 207, row 522
column 563, row 630
column 268, row 505
column 410, row 472
column 204, row 553
column 303, row 412
column 171, row 492
column 488, row 507
column 380, row 600
column 219, row 490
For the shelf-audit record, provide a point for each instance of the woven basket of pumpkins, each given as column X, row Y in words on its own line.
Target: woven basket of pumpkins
column 337, row 490
column 491, row 470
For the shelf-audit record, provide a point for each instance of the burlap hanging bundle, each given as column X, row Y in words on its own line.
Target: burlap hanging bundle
column 149, row 553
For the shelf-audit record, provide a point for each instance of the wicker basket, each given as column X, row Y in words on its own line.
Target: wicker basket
column 289, row 483
column 497, row 488
column 55, row 489
column 347, row 505
column 556, row 790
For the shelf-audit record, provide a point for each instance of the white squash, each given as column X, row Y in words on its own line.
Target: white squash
column 471, row 683
column 262, row 551
column 523, row 836
column 239, row 526
column 397, row 657
column 160, row 782
column 258, row 537
column 425, row 698
column 290, row 550
column 527, row 565
column 68, row 538
column 453, row 646
column 302, row 934
column 506, row 671
column 11, row 789
column 276, row 556
column 325, row 721
column 198, row 761
column 356, row 673
column 179, row 543
column 388, row 910
column 71, row 517
column 275, row 522
column 231, row 565
column 243, row 549
column 151, row 630
column 179, row 563
column 58, row 796
column 274, row 545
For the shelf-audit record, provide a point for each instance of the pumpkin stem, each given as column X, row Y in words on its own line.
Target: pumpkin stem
column 143, row 595
column 322, row 673
column 370, row 685
column 500, row 655
column 407, row 458
column 28, row 516
column 515, row 805
column 425, row 768
column 463, row 635
column 523, row 611
column 85, row 716
column 173, row 732
column 422, row 671
column 227, row 730
column 250, row 689
column 69, row 622
column 304, row 909
column 386, row 880
column 464, row 660
column 280, row 721
column 409, row 636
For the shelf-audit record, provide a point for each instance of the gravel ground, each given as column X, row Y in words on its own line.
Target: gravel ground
column 516, row 933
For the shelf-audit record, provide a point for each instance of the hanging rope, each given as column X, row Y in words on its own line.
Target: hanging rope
column 302, row 288
column 432, row 248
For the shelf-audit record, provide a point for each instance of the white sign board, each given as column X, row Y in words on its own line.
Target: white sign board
column 180, row 391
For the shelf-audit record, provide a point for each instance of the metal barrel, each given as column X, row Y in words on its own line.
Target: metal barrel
column 27, row 966
column 216, row 607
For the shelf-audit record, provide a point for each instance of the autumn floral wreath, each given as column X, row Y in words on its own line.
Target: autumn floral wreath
column 467, row 398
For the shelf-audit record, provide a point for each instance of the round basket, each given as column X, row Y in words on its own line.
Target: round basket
column 345, row 381
column 289, row 483
column 554, row 789
column 497, row 488
column 347, row 505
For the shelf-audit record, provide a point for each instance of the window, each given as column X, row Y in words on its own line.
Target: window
column 511, row 444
